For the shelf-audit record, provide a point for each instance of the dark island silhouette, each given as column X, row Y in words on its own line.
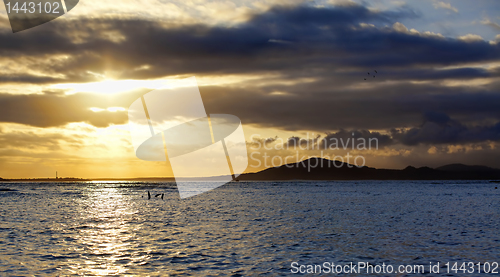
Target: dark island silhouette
column 327, row 170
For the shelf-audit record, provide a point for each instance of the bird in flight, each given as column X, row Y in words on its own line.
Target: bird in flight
column 374, row 74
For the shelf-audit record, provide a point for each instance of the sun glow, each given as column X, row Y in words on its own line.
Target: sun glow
column 110, row 86
column 110, row 109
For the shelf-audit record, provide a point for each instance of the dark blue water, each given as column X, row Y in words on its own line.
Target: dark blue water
column 244, row 229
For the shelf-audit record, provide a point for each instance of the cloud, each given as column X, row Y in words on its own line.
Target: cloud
column 439, row 128
column 258, row 142
column 319, row 71
column 295, row 141
column 279, row 40
column 182, row 49
column 49, row 110
column 471, row 38
column 36, row 141
column 491, row 24
column 319, row 107
column 371, row 139
column 443, row 5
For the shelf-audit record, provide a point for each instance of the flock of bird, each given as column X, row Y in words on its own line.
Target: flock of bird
column 372, row 74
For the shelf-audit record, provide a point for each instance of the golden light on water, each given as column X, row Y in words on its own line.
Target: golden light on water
column 107, row 235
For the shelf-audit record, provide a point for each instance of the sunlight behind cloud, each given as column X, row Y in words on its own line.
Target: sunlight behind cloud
column 109, row 86
column 118, row 86
column 110, row 109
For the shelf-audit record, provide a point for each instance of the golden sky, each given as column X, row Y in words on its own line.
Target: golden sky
column 292, row 71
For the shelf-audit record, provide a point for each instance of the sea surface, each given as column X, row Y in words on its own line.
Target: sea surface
column 244, row 229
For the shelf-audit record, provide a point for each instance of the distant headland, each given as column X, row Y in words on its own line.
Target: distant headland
column 323, row 169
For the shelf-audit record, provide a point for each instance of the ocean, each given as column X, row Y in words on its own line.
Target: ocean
column 249, row 228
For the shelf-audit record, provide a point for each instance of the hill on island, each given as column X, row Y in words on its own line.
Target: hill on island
column 463, row 167
column 323, row 169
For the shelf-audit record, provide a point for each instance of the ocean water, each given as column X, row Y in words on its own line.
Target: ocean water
column 244, row 229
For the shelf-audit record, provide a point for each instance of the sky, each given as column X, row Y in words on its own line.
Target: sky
column 293, row 71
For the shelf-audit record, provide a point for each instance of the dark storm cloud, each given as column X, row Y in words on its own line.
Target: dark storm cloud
column 442, row 74
column 326, row 44
column 439, row 128
column 372, row 139
column 319, row 109
column 322, row 39
column 31, row 79
column 342, row 139
column 307, row 143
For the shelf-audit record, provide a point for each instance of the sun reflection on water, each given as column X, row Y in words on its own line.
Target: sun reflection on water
column 106, row 234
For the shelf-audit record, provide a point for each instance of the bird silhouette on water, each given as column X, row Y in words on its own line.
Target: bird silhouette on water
column 156, row 195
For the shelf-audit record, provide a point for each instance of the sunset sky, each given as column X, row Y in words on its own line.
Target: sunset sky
column 290, row 70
